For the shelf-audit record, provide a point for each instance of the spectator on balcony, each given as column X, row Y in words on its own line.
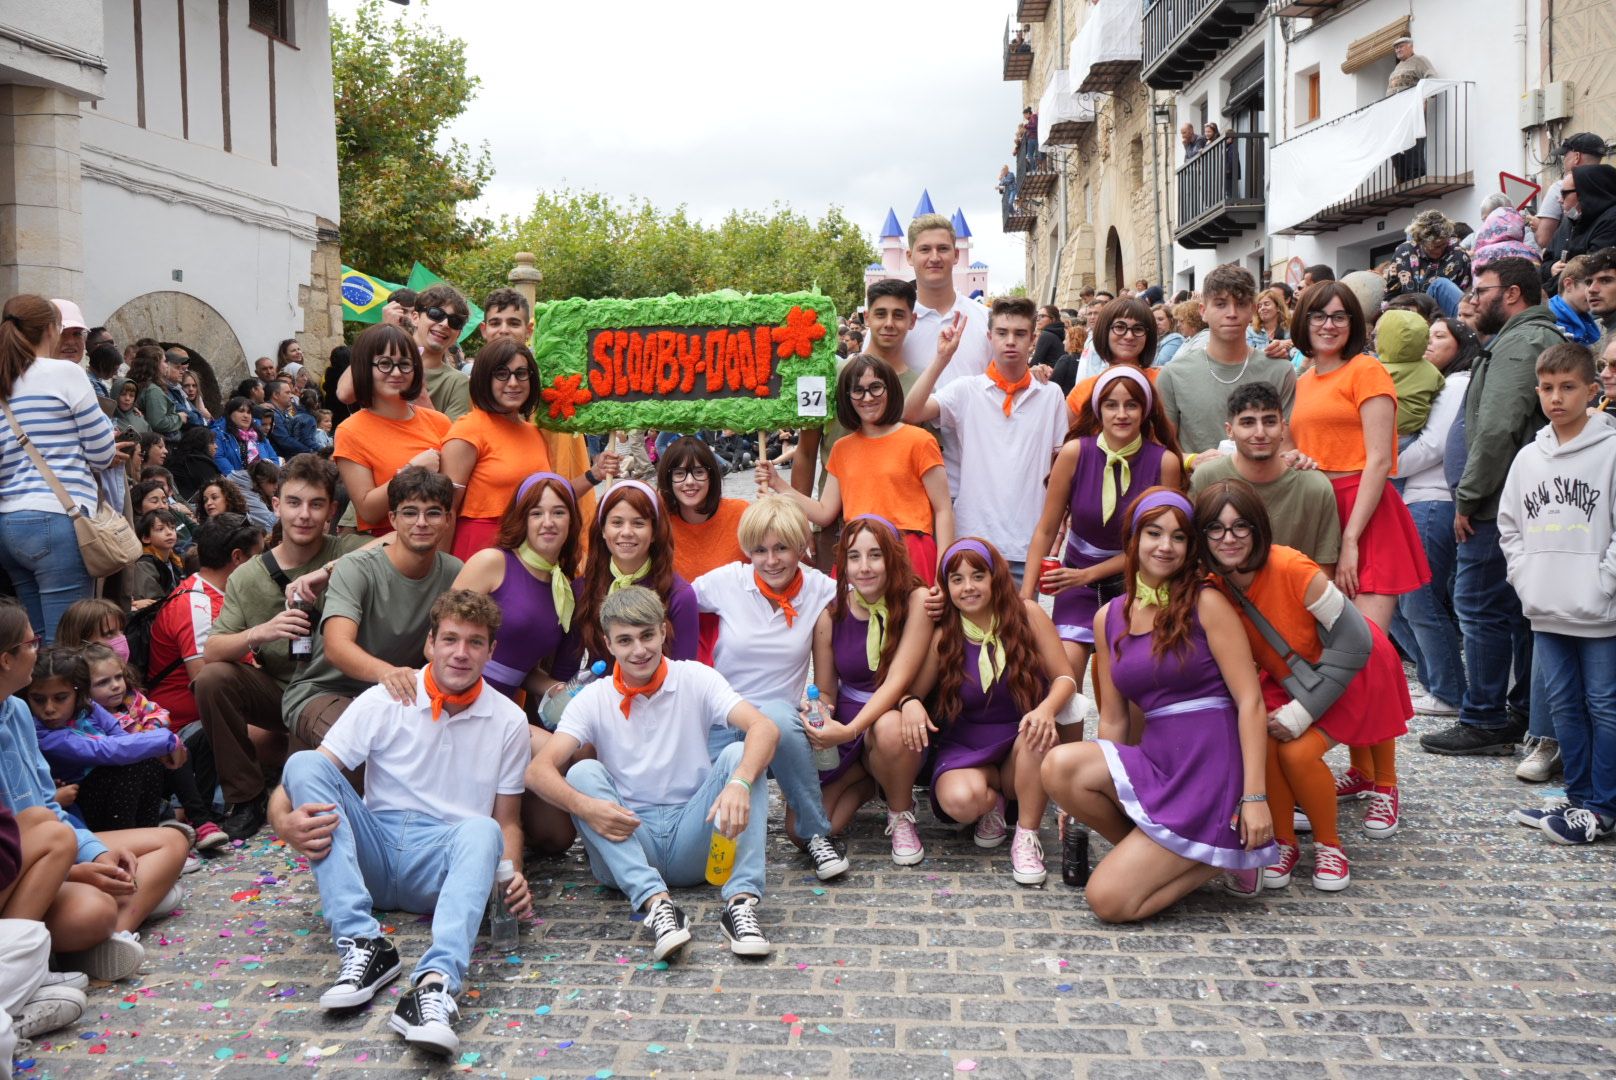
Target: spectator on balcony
column 1583, row 148
column 1209, row 135
column 1430, row 261
column 1410, row 69
column 1193, row 144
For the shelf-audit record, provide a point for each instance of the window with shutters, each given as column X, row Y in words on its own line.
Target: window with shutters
column 272, row 17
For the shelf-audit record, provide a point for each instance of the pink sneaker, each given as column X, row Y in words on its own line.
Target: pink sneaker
column 1381, row 820
column 1353, row 784
column 1279, row 875
column 906, row 846
column 1027, row 858
column 209, row 836
column 1245, row 883
column 1330, row 870
column 991, row 828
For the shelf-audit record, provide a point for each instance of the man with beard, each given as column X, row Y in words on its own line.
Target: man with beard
column 1601, row 284
column 1501, row 415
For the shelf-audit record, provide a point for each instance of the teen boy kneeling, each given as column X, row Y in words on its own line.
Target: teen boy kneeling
column 647, row 805
column 424, row 837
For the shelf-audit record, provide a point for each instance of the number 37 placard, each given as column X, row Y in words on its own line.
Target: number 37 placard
column 811, row 395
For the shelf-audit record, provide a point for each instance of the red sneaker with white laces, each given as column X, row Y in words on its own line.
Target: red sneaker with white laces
column 1381, row 820
column 1279, row 875
column 1353, row 784
column 1331, row 873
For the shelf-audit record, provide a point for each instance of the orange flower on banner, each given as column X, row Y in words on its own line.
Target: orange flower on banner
column 565, row 395
column 798, row 335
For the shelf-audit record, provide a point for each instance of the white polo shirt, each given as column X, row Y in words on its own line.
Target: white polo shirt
column 1004, row 460
column 657, row 755
column 449, row 768
column 762, row 657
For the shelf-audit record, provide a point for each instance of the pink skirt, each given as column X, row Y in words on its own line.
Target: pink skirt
column 1391, row 556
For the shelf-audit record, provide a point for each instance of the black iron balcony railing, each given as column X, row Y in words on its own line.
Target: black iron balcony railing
column 1181, row 37
column 1436, row 165
column 1221, row 190
column 1017, row 51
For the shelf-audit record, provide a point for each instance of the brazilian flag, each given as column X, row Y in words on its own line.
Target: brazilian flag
column 363, row 296
column 421, row 278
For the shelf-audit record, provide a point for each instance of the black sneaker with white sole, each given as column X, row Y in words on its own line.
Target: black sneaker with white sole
column 830, row 857
column 740, row 925
column 671, row 927
column 425, row 1016
column 368, row 964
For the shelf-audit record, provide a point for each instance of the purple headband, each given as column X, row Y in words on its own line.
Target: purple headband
column 1156, row 499
column 882, row 520
column 527, row 485
column 650, row 492
column 1111, row 375
column 967, row 544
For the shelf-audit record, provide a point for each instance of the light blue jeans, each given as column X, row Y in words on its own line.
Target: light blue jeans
column 1426, row 626
column 399, row 860
column 670, row 845
column 792, row 767
column 39, row 551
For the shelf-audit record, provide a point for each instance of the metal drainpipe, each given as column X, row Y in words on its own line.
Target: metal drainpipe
column 1060, row 225
column 1155, row 190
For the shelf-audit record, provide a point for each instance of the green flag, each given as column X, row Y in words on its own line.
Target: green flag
column 363, row 296
column 422, row 278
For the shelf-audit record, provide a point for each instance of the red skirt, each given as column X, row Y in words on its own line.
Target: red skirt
column 707, row 623
column 922, row 555
column 1374, row 707
column 473, row 535
column 1391, row 556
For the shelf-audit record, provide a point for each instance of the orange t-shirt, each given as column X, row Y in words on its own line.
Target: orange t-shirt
column 509, row 450
column 1085, row 389
column 385, row 446
column 1325, row 421
column 716, row 541
column 883, row 475
column 1279, row 591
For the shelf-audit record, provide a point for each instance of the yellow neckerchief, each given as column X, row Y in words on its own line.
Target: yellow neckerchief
column 1160, row 596
column 1110, row 486
column 990, row 660
column 560, row 587
column 621, row 580
column 875, row 634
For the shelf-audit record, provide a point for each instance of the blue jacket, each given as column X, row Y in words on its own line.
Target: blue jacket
column 25, row 779
column 228, row 454
column 290, row 435
column 1583, row 329
column 96, row 738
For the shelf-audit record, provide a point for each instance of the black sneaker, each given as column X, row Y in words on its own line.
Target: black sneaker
column 425, row 1016
column 830, row 857
column 740, row 925
column 1468, row 740
column 368, row 964
column 242, row 821
column 671, row 927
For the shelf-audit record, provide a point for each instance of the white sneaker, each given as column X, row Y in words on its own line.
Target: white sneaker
column 76, row 979
column 118, row 957
column 1542, row 760
column 169, row 904
column 50, row 1009
column 1430, row 705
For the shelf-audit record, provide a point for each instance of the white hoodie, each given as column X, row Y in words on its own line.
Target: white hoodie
column 1556, row 524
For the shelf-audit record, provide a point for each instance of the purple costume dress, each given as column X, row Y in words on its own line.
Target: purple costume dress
column 984, row 730
column 1090, row 541
column 1183, row 782
column 855, row 684
column 530, row 632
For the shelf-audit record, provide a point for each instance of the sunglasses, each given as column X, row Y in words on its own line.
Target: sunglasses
column 437, row 314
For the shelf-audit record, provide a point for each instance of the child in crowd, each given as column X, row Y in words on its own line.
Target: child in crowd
column 1400, row 337
column 95, row 620
column 1557, row 527
column 158, row 570
column 322, row 429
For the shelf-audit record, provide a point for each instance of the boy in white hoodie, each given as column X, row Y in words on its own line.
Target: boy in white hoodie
column 1557, row 527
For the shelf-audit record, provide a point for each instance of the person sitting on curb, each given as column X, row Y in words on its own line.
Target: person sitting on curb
column 423, row 837
column 648, row 803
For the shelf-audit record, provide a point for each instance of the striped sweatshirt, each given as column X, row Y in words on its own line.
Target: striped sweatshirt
column 56, row 407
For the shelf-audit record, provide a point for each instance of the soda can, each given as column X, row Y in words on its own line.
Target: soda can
column 1049, row 563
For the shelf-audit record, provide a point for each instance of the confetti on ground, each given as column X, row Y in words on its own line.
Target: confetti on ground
column 965, row 1065
column 655, row 1048
column 470, row 1057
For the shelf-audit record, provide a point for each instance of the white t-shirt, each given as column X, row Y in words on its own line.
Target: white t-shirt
column 657, row 755
column 1004, row 460
column 762, row 657
column 972, row 357
column 449, row 769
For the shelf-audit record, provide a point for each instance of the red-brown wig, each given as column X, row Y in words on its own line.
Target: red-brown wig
column 513, row 525
column 901, row 581
column 1023, row 669
column 1172, row 626
column 598, row 569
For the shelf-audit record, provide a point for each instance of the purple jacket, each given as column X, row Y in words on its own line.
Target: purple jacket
column 95, row 738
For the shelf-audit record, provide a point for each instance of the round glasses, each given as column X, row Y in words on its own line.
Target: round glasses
column 695, row 472
column 520, row 374
column 1240, row 530
column 387, row 367
column 872, row 391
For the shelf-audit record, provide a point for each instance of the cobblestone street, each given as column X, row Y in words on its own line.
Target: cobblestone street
column 1466, row 946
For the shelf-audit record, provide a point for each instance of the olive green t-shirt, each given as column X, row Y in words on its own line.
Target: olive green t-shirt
column 391, row 611
column 1301, row 507
column 450, row 390
column 251, row 597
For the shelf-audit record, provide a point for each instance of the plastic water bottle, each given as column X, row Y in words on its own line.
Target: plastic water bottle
column 502, row 927
column 830, row 756
column 550, row 714
column 1074, row 853
column 720, row 856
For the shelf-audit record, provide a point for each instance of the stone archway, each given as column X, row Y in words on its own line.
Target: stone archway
column 1113, row 259
column 216, row 352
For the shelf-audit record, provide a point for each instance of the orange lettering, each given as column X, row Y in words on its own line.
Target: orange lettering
column 689, row 346
column 763, row 356
column 732, row 361
column 600, row 379
column 748, row 371
column 636, row 361
column 667, row 371
column 716, row 344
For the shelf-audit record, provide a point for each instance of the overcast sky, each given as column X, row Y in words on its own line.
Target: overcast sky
column 726, row 105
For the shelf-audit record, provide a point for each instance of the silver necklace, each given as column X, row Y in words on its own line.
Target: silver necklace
column 1212, row 370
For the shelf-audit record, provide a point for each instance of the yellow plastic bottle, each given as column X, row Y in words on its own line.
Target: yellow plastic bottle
column 720, row 859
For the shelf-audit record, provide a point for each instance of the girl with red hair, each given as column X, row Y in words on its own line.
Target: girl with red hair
column 630, row 545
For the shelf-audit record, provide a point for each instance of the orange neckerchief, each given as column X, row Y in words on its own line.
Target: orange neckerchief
column 440, row 699
column 1009, row 388
column 784, row 597
column 629, row 693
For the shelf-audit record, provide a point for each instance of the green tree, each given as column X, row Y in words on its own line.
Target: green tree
column 399, row 82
